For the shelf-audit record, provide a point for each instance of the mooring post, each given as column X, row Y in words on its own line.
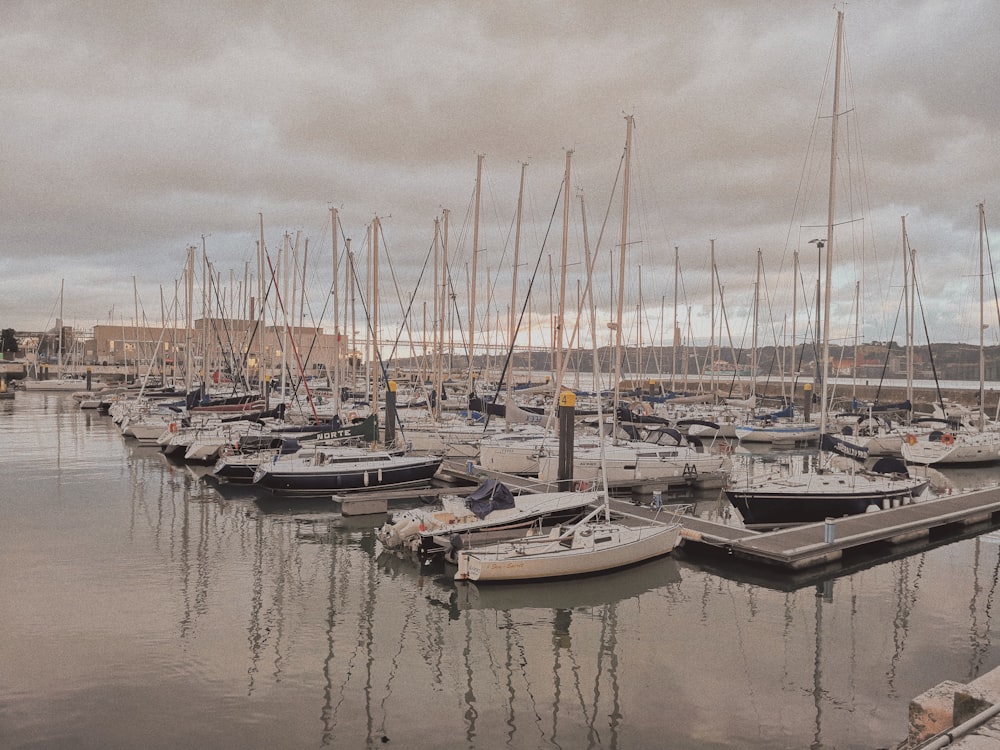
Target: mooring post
column 829, row 531
column 390, row 413
column 567, row 417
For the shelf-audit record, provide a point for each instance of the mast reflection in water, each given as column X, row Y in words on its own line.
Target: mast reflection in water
column 146, row 606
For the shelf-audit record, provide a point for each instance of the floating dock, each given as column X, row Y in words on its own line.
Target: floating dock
column 818, row 544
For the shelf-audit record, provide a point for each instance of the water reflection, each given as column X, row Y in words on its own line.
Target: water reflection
column 289, row 625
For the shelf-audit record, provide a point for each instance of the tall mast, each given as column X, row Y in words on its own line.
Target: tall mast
column 711, row 338
column 795, row 307
column 437, row 320
column 335, row 290
column 621, row 275
column 282, row 294
column 260, row 305
column 472, row 285
column 674, row 337
column 446, row 296
column 512, row 319
column 376, row 365
column 982, row 321
column 560, row 316
column 352, row 295
column 59, row 354
column 829, row 224
column 756, row 325
column 907, row 312
column 188, row 316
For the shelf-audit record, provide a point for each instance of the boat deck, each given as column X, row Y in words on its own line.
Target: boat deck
column 820, row 543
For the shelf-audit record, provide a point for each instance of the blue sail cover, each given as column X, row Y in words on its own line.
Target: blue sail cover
column 491, row 495
column 786, row 413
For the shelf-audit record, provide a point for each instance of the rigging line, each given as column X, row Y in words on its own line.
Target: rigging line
column 395, row 280
column 993, row 277
column 775, row 337
column 587, row 289
column 383, row 369
column 409, row 308
column 888, row 352
column 256, row 327
column 524, row 306
column 295, row 348
column 930, row 351
column 500, row 262
column 230, row 358
column 405, row 322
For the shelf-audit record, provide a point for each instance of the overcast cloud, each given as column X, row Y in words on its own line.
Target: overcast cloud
column 132, row 130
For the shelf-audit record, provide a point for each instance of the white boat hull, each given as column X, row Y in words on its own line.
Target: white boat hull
column 583, row 550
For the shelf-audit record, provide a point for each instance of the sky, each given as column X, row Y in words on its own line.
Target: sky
column 135, row 130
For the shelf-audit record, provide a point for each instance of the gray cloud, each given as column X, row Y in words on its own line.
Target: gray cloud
column 132, row 130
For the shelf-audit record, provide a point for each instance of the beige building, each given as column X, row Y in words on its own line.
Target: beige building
column 214, row 345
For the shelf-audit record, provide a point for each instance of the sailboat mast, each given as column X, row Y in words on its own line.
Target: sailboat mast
column 261, row 288
column 373, row 306
column 446, row 308
column 621, row 275
column 795, row 312
column 829, row 223
column 59, row 354
column 982, row 322
column 512, row 321
column 335, row 287
column 437, row 323
column 711, row 337
column 908, row 312
column 473, row 281
column 756, row 326
column 675, row 338
column 560, row 320
column 188, row 318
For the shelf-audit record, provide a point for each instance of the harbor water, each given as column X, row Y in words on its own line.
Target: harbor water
column 143, row 605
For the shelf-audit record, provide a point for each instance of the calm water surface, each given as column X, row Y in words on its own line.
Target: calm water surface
column 143, row 607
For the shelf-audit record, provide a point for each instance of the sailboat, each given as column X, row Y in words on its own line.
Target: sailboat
column 491, row 512
column 63, row 382
column 777, row 426
column 595, row 544
column 813, row 495
column 964, row 441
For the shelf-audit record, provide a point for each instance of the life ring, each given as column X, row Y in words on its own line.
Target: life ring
column 581, row 486
column 947, row 439
column 173, row 427
column 910, row 439
column 352, row 416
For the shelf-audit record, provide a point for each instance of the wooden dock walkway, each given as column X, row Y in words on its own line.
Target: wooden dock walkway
column 816, row 544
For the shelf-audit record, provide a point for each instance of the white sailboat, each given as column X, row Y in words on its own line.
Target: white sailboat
column 812, row 494
column 591, row 546
column 491, row 513
column 63, row 382
column 595, row 544
column 965, row 441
